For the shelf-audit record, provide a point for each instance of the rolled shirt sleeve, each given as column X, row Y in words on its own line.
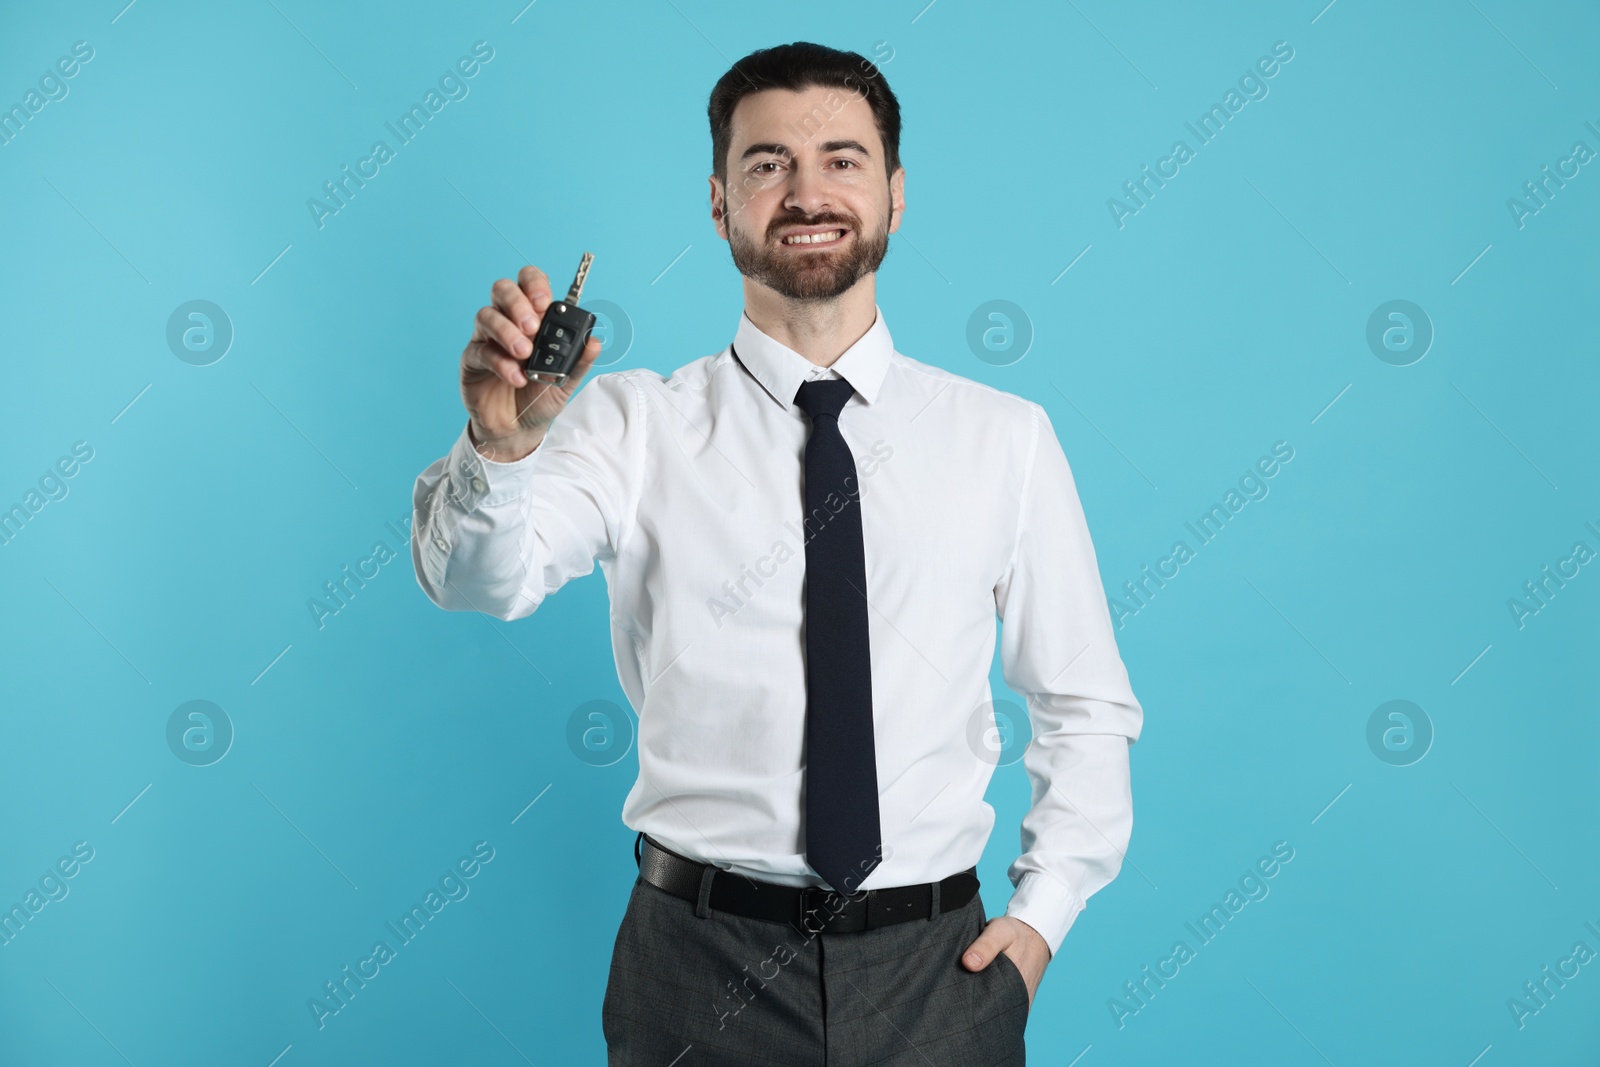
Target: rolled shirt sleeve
column 500, row 537
column 1057, row 649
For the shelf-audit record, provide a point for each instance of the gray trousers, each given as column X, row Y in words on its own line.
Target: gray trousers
column 692, row 991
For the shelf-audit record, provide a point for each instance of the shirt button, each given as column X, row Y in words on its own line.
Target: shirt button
column 441, row 542
column 477, row 483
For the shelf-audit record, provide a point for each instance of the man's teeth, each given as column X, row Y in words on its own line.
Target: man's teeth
column 812, row 238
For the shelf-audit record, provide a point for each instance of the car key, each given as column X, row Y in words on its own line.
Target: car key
column 563, row 331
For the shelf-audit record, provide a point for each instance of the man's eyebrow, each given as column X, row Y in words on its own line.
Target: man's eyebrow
column 762, row 148
column 838, row 146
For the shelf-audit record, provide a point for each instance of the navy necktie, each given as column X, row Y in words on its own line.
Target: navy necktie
column 843, row 837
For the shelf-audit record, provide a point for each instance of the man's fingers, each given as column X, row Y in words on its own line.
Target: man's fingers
column 536, row 286
column 515, row 305
column 494, row 326
column 498, row 347
column 502, row 332
column 982, row 952
column 591, row 351
column 482, row 357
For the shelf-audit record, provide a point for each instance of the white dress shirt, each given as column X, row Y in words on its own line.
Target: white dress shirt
column 687, row 489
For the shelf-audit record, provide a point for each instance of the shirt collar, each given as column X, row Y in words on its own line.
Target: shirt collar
column 781, row 370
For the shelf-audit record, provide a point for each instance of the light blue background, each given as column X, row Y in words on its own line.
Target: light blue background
column 1228, row 314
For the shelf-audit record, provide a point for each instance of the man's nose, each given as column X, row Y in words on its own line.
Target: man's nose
column 808, row 193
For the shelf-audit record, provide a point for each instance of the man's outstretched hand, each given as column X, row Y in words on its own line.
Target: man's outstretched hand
column 508, row 414
column 1016, row 939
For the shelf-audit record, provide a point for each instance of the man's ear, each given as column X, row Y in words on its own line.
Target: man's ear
column 897, row 198
column 719, row 208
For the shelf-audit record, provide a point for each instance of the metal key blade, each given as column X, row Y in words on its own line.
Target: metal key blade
column 576, row 291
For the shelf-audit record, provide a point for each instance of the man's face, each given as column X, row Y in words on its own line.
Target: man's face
column 800, row 164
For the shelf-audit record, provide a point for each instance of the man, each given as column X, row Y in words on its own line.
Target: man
column 806, row 539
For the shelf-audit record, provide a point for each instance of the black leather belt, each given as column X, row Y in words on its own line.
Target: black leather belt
column 811, row 909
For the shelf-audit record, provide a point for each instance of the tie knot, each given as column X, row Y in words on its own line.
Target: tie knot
column 824, row 396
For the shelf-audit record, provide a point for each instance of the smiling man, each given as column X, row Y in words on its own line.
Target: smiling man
column 807, row 539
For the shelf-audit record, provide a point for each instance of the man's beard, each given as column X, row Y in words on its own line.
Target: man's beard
column 809, row 275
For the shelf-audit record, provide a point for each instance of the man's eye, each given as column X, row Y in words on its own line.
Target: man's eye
column 851, row 162
column 758, row 166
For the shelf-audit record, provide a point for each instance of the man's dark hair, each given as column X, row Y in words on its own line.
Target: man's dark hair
column 798, row 66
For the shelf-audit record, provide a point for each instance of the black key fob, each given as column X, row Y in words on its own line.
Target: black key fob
column 562, row 334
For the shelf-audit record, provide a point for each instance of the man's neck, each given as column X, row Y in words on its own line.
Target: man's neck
column 820, row 330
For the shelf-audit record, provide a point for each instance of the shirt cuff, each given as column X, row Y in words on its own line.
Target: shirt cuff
column 477, row 481
column 1047, row 905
